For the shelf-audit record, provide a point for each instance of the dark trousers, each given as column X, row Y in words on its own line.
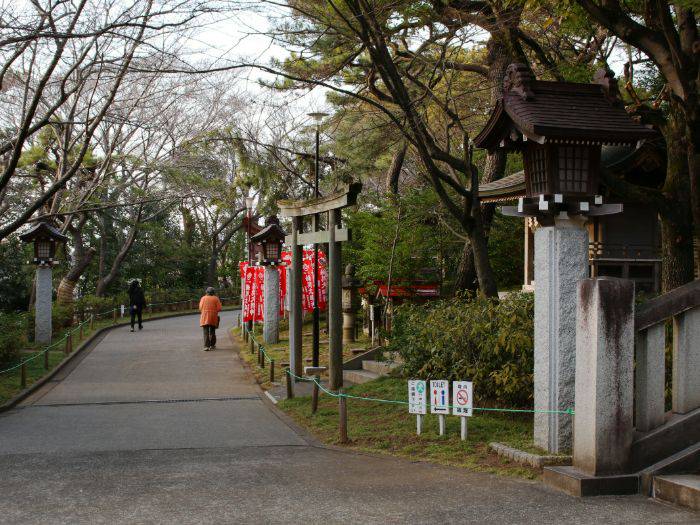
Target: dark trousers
column 136, row 311
column 209, row 335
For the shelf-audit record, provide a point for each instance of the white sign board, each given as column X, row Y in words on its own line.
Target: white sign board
column 439, row 397
column 462, row 401
column 417, row 397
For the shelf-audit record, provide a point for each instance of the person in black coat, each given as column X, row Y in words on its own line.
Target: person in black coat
column 136, row 303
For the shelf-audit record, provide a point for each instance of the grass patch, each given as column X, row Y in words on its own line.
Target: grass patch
column 280, row 351
column 390, row 429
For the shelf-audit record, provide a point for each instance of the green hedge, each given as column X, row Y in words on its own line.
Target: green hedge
column 13, row 329
column 471, row 338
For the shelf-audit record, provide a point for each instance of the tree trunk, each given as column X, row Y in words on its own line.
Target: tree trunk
column 498, row 60
column 465, row 276
column 394, row 172
column 67, row 284
column 105, row 281
column 693, row 134
column 212, row 277
column 677, row 215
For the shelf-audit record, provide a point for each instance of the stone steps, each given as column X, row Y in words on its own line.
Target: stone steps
column 359, row 376
column 681, row 489
column 381, row 368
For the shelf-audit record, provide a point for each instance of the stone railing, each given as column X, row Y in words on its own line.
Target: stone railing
column 613, row 396
column 682, row 306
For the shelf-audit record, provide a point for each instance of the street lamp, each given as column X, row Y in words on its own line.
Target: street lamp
column 249, row 217
column 317, row 117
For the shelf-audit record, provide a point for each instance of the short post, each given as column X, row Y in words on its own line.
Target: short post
column 315, row 372
column 114, row 316
column 262, row 357
column 290, row 384
column 342, row 416
column 251, row 344
column 314, row 395
column 23, row 375
column 272, row 370
column 69, row 344
column 604, row 376
column 92, row 321
column 46, row 359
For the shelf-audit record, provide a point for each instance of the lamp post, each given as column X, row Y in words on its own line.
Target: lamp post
column 44, row 237
column 561, row 157
column 318, row 119
column 249, row 216
column 270, row 240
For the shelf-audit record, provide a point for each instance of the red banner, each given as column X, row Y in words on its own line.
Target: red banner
column 254, row 282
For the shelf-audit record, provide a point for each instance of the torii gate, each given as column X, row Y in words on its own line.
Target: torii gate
column 334, row 235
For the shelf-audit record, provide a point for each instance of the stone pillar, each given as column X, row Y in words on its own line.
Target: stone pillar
column 604, row 376
column 271, row 305
column 295, row 314
column 650, row 348
column 335, row 311
column 561, row 260
column 42, row 305
column 349, row 304
column 686, row 361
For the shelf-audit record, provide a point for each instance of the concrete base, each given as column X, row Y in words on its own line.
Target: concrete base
column 576, row 483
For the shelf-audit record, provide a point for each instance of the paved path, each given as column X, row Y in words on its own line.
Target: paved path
column 147, row 428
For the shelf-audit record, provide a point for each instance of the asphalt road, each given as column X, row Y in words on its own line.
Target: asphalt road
column 147, row 428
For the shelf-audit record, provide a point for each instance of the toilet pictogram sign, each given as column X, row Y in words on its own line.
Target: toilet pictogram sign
column 439, row 397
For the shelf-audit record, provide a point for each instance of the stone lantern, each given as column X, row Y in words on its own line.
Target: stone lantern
column 350, row 303
column 559, row 128
column 270, row 240
column 45, row 237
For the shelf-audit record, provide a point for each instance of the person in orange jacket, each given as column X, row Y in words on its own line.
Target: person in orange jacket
column 209, row 306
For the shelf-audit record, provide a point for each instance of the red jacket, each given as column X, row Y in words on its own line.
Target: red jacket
column 210, row 306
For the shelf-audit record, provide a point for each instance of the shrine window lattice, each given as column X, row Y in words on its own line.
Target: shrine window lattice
column 573, row 168
column 538, row 170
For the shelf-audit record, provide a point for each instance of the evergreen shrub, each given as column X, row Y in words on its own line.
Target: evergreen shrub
column 471, row 338
column 13, row 329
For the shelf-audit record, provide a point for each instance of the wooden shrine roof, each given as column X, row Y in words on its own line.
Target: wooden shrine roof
column 567, row 112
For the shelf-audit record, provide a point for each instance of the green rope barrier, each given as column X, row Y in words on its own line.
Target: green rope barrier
column 262, row 347
column 401, row 402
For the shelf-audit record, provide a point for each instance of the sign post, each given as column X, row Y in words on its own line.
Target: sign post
column 462, row 403
column 440, row 401
column 417, row 401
